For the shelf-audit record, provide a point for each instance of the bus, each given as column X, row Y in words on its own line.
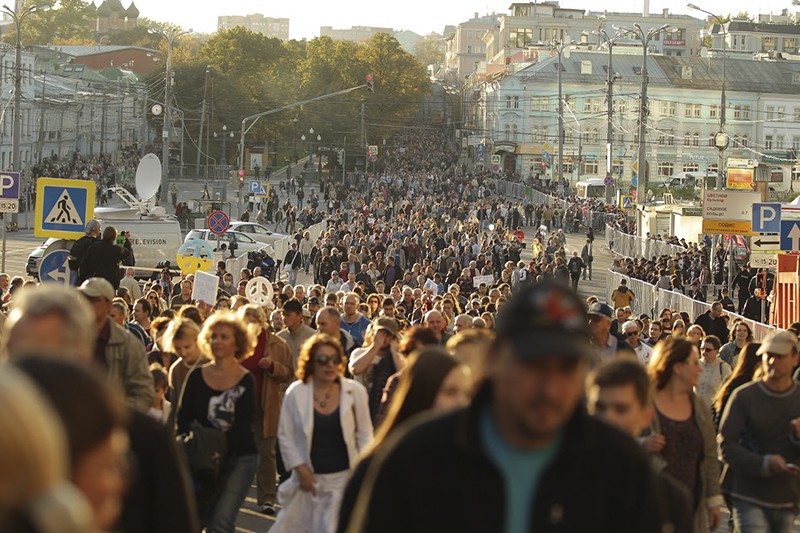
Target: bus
column 591, row 188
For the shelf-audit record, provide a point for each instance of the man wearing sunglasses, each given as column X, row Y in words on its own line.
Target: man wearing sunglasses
column 631, row 331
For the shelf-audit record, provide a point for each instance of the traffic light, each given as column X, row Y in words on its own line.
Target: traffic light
column 241, row 178
column 544, row 166
column 340, row 157
column 370, row 83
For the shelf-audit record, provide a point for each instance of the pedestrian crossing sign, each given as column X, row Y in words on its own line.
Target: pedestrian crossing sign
column 626, row 202
column 63, row 207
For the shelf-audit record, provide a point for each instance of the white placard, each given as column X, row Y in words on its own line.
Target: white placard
column 488, row 280
column 768, row 261
column 205, row 287
column 729, row 205
column 431, row 286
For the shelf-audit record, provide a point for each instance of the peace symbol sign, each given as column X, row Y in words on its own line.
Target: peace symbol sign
column 259, row 291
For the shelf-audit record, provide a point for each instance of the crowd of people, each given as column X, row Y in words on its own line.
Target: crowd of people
column 427, row 366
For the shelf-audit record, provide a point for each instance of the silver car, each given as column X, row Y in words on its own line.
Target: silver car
column 243, row 243
column 257, row 232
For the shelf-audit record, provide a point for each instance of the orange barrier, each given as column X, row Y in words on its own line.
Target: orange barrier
column 786, row 292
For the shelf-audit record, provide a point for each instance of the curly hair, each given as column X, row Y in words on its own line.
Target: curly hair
column 245, row 341
column 305, row 362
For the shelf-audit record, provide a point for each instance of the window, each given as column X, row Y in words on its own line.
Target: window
column 795, row 173
column 692, row 110
column 539, row 133
column 713, row 111
column 520, row 37
column 568, row 166
column 797, row 114
column 666, row 169
column 619, row 138
column 779, row 142
column 687, row 139
column 669, row 109
column 617, row 168
column 541, row 103
column 795, row 143
column 695, row 139
column 569, row 137
column 712, row 167
column 711, row 139
column 770, row 112
column 745, row 141
column 691, row 167
column 591, row 105
column 670, row 137
column 768, row 43
column 776, row 174
column 514, row 132
column 741, row 112
column 508, row 102
column 590, row 167
column 780, row 112
column 768, row 142
column 507, row 132
column 789, row 44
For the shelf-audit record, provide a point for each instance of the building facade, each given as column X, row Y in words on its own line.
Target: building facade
column 355, row 33
column 257, row 23
column 515, row 116
column 464, row 47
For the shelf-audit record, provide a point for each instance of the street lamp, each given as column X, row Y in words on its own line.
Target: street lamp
column 721, row 139
column 225, row 135
column 609, row 42
column 16, row 132
column 641, row 172
column 170, row 33
column 561, row 47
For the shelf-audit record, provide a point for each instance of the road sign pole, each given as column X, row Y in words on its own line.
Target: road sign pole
column 3, row 266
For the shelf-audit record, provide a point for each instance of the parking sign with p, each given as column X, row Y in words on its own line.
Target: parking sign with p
column 766, row 218
column 9, row 192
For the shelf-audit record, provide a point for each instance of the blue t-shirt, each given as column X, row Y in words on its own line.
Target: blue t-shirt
column 521, row 471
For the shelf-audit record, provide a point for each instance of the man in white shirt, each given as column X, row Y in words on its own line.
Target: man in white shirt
column 130, row 283
column 631, row 331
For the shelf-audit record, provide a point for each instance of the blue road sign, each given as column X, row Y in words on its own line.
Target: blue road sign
column 634, row 181
column 54, row 267
column 218, row 222
column 9, row 185
column 255, row 187
column 63, row 207
column 766, row 218
column 790, row 235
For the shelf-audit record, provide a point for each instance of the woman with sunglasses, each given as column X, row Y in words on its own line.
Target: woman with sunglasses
column 324, row 425
column 715, row 370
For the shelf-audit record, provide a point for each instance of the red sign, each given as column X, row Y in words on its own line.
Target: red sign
column 674, row 42
column 218, row 222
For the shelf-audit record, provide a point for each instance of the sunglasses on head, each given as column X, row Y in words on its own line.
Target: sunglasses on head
column 325, row 359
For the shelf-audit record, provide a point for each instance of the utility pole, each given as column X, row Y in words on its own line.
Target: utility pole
column 560, row 47
column 202, row 118
column 363, row 131
column 609, row 41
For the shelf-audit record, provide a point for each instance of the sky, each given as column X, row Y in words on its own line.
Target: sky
column 422, row 17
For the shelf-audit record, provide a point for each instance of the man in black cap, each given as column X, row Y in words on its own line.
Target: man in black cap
column 525, row 450
column 605, row 340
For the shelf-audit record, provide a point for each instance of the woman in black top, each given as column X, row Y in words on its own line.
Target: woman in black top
column 221, row 395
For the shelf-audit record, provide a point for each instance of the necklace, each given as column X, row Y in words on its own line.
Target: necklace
column 324, row 402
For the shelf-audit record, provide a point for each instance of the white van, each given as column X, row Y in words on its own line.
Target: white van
column 154, row 238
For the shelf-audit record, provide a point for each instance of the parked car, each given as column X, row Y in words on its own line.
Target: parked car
column 243, row 243
column 257, row 232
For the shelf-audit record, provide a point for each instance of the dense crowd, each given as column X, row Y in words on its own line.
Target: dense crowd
column 427, row 366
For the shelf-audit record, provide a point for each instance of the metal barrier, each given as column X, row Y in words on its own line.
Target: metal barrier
column 651, row 300
column 637, row 247
column 282, row 246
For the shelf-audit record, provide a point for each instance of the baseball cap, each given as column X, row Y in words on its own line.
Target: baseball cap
column 293, row 306
column 778, row 342
column 388, row 324
column 545, row 320
column 599, row 308
column 97, row 288
column 313, row 300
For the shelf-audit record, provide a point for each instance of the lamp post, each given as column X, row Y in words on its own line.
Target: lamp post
column 170, row 34
column 561, row 48
column 721, row 138
column 310, row 162
column 609, row 42
column 224, row 135
column 641, row 172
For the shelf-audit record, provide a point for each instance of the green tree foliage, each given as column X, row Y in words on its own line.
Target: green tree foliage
column 68, row 21
column 430, row 50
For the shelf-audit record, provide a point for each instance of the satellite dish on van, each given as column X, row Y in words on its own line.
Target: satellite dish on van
column 148, row 177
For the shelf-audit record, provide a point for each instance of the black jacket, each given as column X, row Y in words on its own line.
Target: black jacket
column 102, row 260
column 713, row 326
column 77, row 252
column 427, row 479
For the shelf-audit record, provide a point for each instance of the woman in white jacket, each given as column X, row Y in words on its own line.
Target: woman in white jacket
column 323, row 426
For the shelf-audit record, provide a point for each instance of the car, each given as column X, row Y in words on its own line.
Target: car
column 257, row 232
column 243, row 243
column 32, row 266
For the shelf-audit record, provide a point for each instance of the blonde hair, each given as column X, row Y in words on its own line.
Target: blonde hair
column 245, row 340
column 33, row 448
column 180, row 328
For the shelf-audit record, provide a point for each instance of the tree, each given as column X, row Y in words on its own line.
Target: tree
column 71, row 21
column 430, row 50
column 402, row 82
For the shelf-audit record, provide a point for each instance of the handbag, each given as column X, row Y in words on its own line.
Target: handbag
column 205, row 448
